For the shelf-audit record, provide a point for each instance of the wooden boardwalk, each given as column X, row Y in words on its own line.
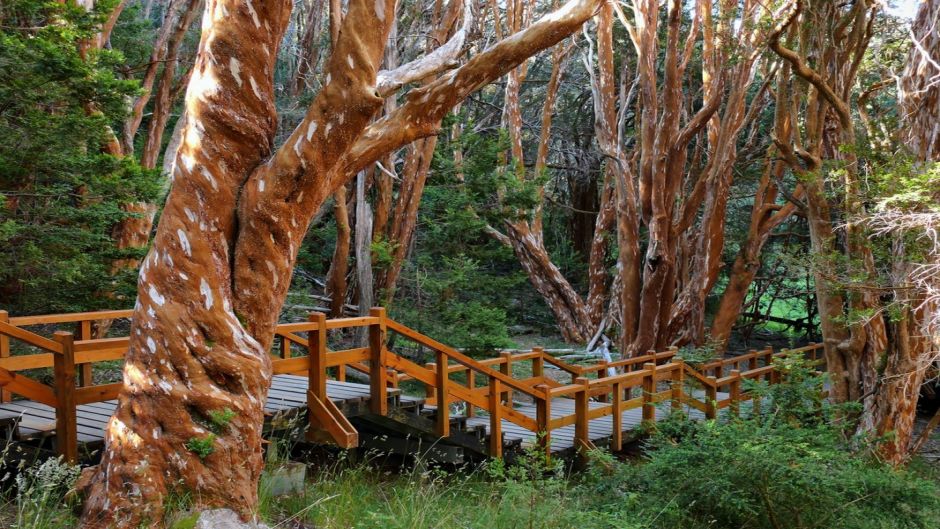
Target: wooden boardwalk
column 505, row 403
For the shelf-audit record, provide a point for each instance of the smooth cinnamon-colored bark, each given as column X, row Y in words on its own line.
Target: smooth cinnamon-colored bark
column 212, row 286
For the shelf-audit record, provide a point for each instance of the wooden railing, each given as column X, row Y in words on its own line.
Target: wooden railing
column 490, row 385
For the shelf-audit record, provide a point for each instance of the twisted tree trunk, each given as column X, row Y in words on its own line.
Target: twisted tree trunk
column 213, row 284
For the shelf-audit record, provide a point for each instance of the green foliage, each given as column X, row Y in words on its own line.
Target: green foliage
column 755, row 475
column 791, row 467
column 42, row 500
column 461, row 284
column 220, row 419
column 61, row 195
column 201, row 446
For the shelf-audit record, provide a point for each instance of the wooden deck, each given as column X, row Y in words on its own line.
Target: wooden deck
column 26, row 420
column 507, row 402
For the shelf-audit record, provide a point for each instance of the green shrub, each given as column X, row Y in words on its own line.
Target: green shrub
column 202, row 446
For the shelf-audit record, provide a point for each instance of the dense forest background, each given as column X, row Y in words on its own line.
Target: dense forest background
column 66, row 197
column 707, row 175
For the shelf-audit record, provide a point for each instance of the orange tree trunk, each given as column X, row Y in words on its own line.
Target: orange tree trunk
column 212, row 286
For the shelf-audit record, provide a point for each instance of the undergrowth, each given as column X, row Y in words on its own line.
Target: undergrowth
column 791, row 467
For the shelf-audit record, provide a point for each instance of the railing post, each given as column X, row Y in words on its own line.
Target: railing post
column 377, row 369
column 601, row 374
column 4, row 352
column 84, row 370
column 678, row 381
column 316, row 351
column 471, row 384
column 285, row 347
column 506, row 368
column 316, row 371
column 768, row 356
column 496, row 418
column 443, row 407
column 66, row 421
column 711, row 398
column 538, row 363
column 543, row 419
column 582, row 436
column 775, row 374
column 649, row 387
column 735, row 393
column 616, row 441
column 430, row 392
column 752, row 361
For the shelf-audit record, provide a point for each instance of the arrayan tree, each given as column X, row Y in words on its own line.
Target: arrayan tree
column 212, row 286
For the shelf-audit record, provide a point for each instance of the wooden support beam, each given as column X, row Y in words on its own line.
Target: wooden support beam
column 735, row 392
column 66, row 429
column 471, row 384
column 616, row 440
column 538, row 363
column 581, row 421
column 496, row 419
column 442, row 380
column 506, row 368
column 333, row 423
column 711, row 398
column 378, row 374
column 430, row 390
column 678, row 385
column 649, row 387
column 5, row 396
column 316, row 371
column 543, row 416
column 84, row 370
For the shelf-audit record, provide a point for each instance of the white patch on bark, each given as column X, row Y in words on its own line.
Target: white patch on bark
column 311, row 129
column 326, row 130
column 254, row 87
column 235, row 66
column 155, row 296
column 261, row 185
column 300, row 196
column 151, row 345
column 273, row 270
column 206, row 292
column 184, row 242
column 254, row 14
column 188, row 162
column 297, row 146
column 203, row 85
column 206, row 173
column 189, row 214
column 119, row 430
column 380, row 10
column 350, row 61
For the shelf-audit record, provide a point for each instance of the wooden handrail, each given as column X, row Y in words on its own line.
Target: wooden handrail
column 73, row 317
column 29, row 337
column 463, row 359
